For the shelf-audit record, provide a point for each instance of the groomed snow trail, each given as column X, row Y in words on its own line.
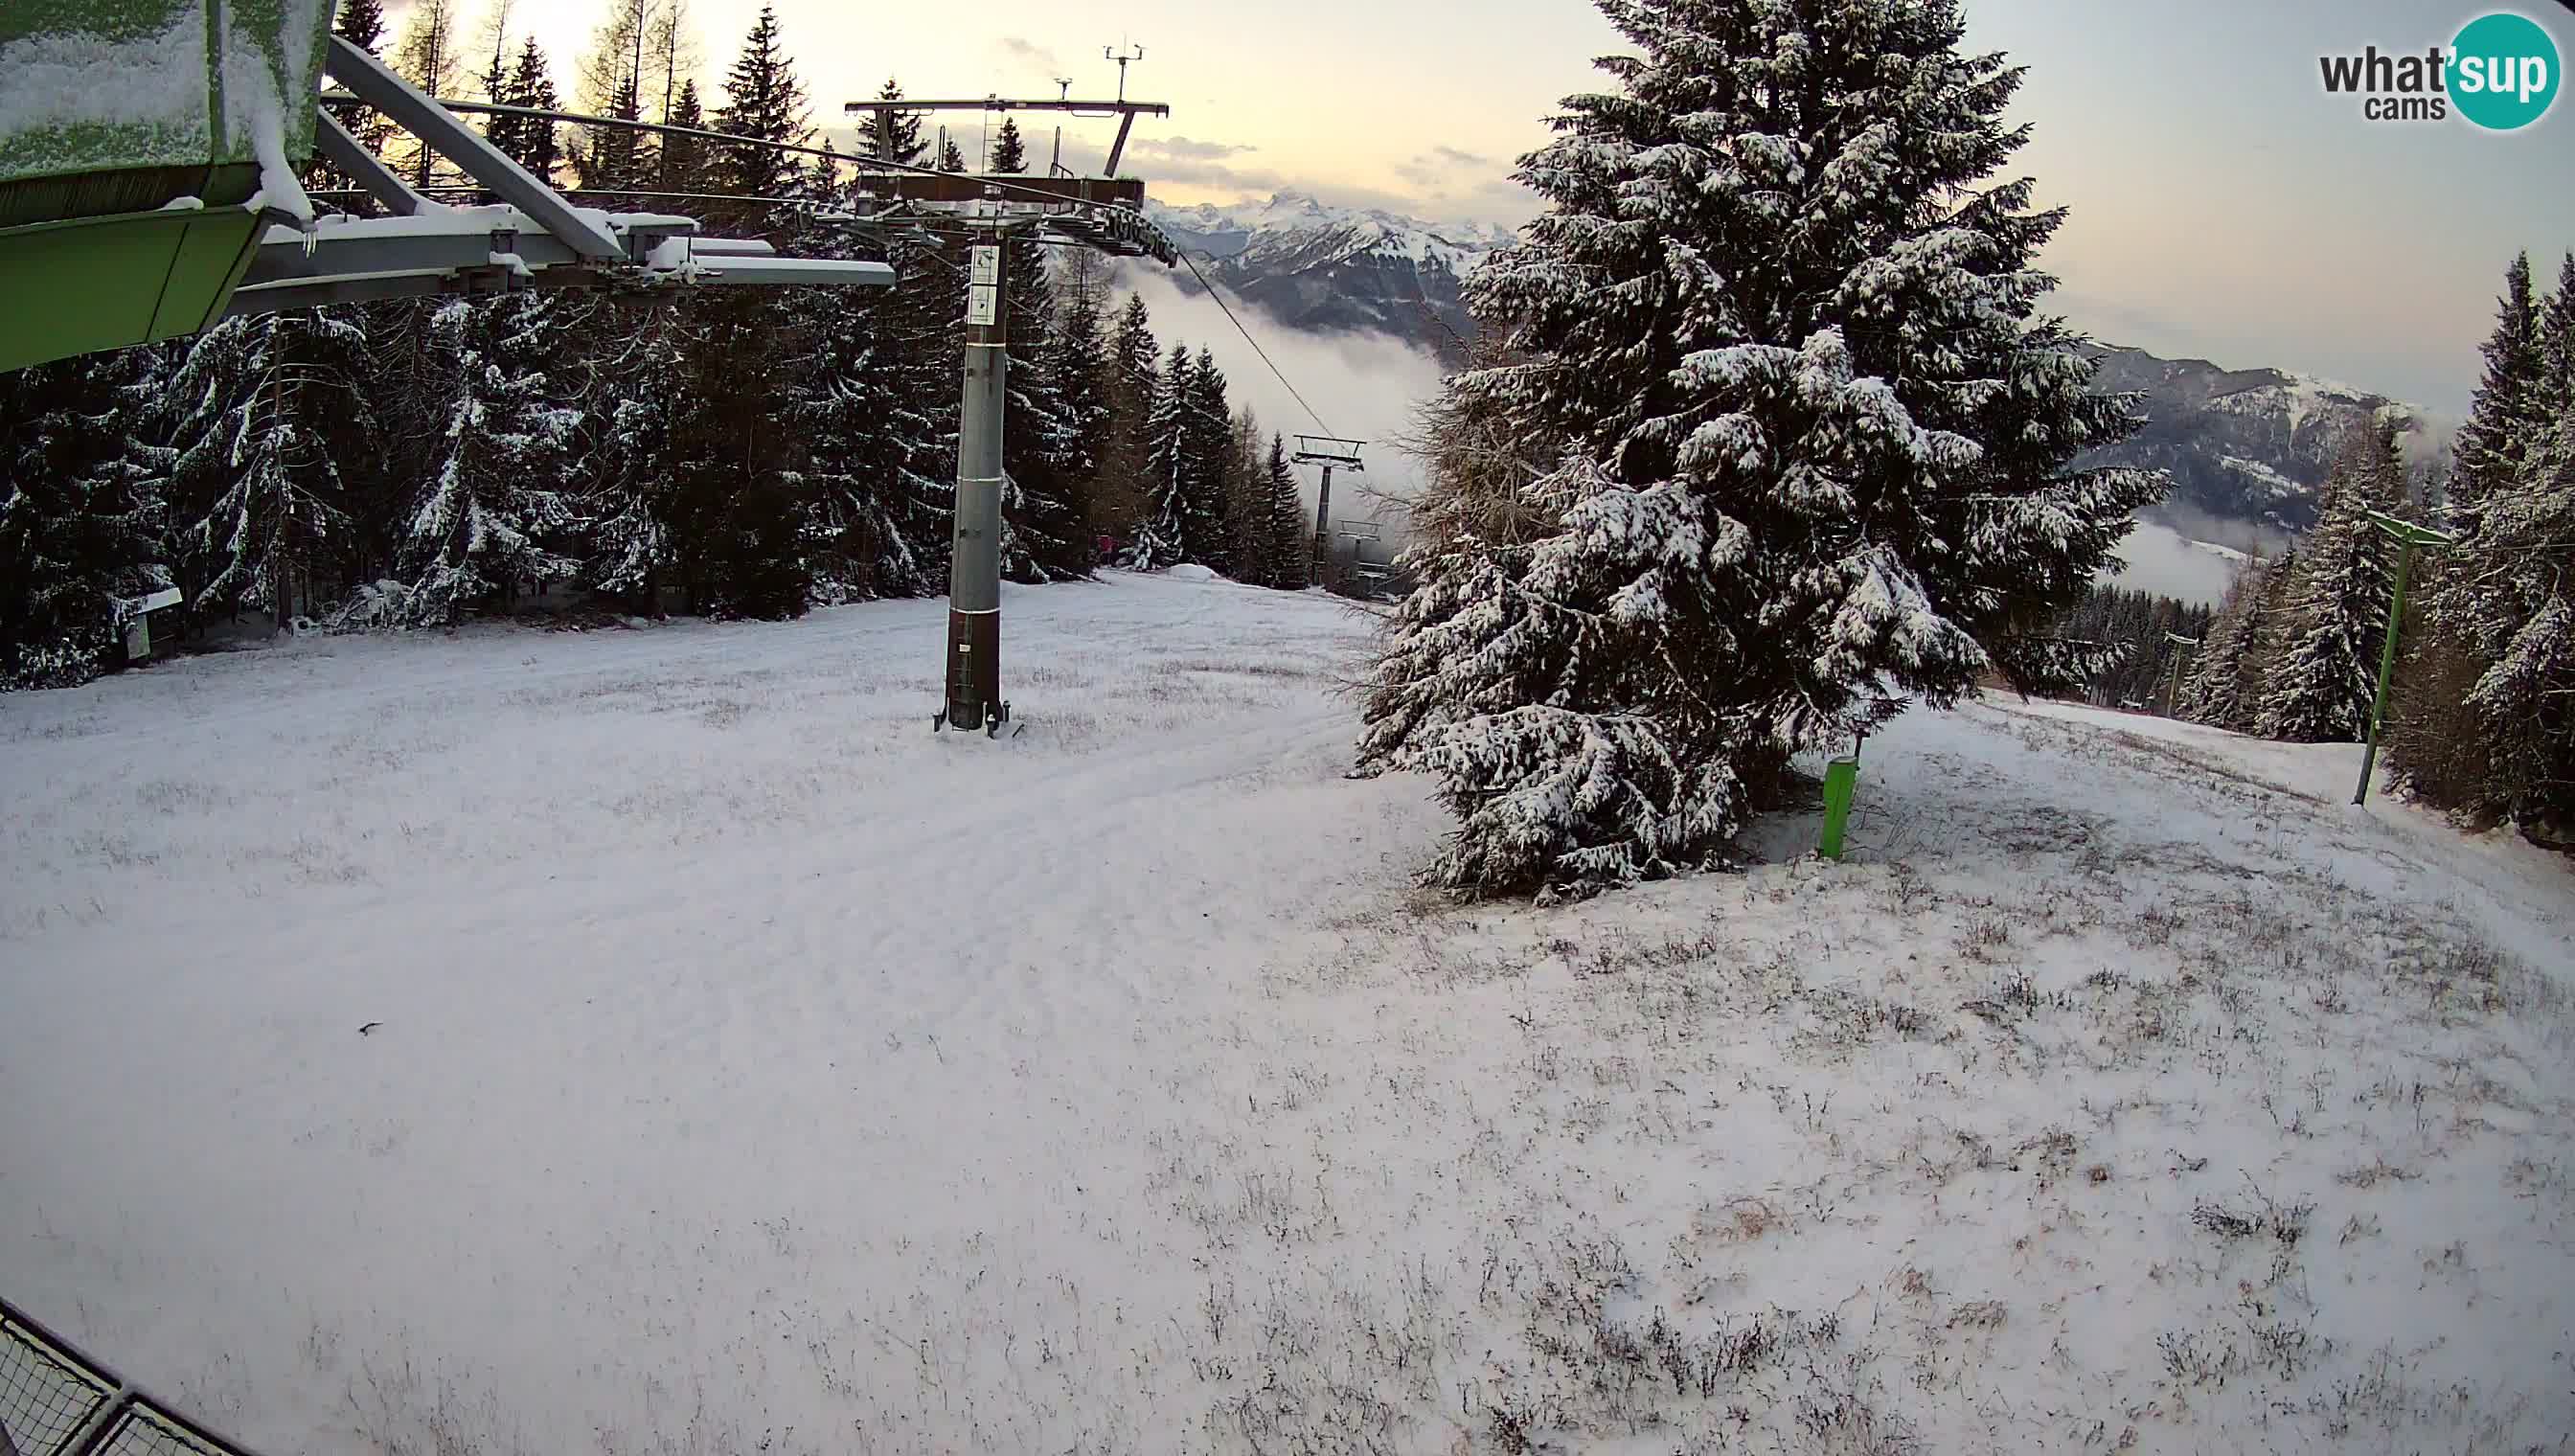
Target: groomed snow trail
column 757, row 1070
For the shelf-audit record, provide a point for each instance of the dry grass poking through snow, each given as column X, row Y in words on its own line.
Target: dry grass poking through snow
column 2113, row 1097
column 2097, row 1128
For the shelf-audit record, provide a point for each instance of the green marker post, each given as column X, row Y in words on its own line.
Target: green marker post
column 2407, row 535
column 1842, row 777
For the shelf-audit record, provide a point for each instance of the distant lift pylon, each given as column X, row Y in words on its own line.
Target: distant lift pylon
column 1332, row 453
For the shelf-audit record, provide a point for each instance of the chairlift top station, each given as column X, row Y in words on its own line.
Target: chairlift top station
column 150, row 151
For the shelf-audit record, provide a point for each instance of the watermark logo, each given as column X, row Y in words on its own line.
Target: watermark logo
column 2500, row 72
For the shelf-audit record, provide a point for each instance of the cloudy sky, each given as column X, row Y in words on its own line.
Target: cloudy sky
column 2223, row 206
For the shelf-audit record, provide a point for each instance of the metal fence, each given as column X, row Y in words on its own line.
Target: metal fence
column 56, row 1401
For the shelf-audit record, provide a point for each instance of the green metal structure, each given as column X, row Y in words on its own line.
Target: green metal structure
column 2407, row 537
column 135, row 140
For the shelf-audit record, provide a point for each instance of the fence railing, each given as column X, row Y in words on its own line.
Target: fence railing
column 56, row 1401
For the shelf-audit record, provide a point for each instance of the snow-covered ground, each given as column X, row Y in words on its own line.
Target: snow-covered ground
column 755, row 1072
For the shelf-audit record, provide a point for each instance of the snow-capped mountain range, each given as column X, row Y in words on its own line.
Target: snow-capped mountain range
column 2247, row 448
column 1329, row 269
column 2250, row 446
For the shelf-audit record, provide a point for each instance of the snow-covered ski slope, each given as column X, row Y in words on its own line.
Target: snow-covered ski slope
column 757, row 1072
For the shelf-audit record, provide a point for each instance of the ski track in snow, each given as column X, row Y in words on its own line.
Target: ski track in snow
column 757, row 1067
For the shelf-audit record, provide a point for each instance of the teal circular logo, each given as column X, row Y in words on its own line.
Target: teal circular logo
column 2503, row 71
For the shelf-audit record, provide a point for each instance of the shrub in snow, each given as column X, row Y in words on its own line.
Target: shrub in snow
column 1815, row 439
column 374, row 607
column 62, row 663
column 1191, row 572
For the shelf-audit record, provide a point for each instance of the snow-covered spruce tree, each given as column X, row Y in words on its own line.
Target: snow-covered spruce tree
column 2517, row 592
column 493, row 510
column 2319, row 691
column 1078, row 358
column 2504, row 417
column 1047, row 535
column 1287, row 543
column 868, row 513
column 1816, row 438
column 1207, row 428
column 1123, row 495
column 80, row 521
column 634, row 407
column 852, row 408
column 263, row 413
column 1161, row 536
column 2216, row 693
column 1244, row 499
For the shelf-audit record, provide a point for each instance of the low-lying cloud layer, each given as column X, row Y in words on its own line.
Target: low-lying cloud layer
column 2160, row 560
column 1362, row 384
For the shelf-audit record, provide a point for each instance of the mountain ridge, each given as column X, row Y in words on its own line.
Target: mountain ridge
column 2247, row 449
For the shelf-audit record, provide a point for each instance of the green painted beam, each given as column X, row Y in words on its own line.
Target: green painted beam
column 96, row 284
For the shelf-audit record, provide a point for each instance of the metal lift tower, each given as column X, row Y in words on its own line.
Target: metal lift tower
column 1332, row 453
column 1104, row 213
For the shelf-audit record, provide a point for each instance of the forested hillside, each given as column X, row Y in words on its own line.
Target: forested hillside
column 738, row 453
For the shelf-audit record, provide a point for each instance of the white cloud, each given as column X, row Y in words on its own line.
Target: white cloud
column 2160, row 560
column 1364, row 385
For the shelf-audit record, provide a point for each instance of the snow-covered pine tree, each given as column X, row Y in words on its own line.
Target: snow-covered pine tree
column 1206, row 531
column 493, row 510
column 1079, row 362
column 2503, row 417
column 1817, row 442
column 2516, row 596
column 1244, row 500
column 2440, row 742
column 1045, row 537
column 1010, row 153
column 904, row 144
column 1289, row 545
column 80, row 521
column 867, row 513
column 1161, row 536
column 919, row 325
column 763, row 100
column 1124, row 496
column 2215, row 692
column 2320, row 689
column 637, row 409
column 265, row 407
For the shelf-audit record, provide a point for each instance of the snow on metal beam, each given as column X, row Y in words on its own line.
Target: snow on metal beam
column 368, row 79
